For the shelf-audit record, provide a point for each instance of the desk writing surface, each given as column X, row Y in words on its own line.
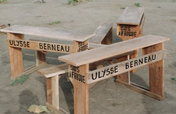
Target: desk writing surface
column 115, row 49
column 59, row 34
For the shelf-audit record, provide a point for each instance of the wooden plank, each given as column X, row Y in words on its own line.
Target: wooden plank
column 81, row 89
column 93, row 45
column 59, row 34
column 39, row 45
column 122, row 67
column 108, row 51
column 101, row 32
column 55, row 110
column 55, row 91
column 131, row 15
column 16, row 57
column 30, row 70
column 143, row 91
column 54, row 70
column 40, row 57
column 156, row 71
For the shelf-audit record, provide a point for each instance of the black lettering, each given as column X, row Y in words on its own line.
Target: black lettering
column 11, row 42
column 58, row 47
column 126, row 65
column 131, row 64
column 153, row 57
column 140, row 61
column 145, row 59
column 48, row 47
column 108, row 71
column 136, row 63
column 94, row 77
column 28, row 45
column 67, row 48
column 116, row 69
column 44, row 46
column 62, row 48
column 53, row 47
column 112, row 70
column 40, row 46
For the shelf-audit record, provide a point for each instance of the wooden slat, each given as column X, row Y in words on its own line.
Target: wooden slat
column 54, row 70
column 101, row 32
column 39, row 45
column 40, row 57
column 122, row 67
column 55, row 110
column 131, row 16
column 100, row 53
column 93, row 45
column 59, row 34
column 140, row 90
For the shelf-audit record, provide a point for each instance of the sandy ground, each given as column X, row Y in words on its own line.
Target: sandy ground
column 86, row 17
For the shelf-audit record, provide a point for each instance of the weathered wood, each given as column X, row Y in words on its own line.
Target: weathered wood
column 39, row 45
column 54, row 70
column 156, row 71
column 140, row 90
column 81, row 89
column 49, row 90
column 124, row 76
column 93, row 45
column 59, row 34
column 55, row 91
column 40, row 57
column 122, row 67
column 103, row 34
column 16, row 57
column 30, row 70
column 94, row 55
column 55, row 110
column 131, row 16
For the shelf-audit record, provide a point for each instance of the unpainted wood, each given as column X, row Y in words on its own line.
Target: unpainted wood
column 156, row 71
column 53, row 70
column 81, row 93
column 108, row 51
column 16, row 57
column 124, row 76
column 123, row 67
column 55, row 91
column 40, row 57
column 49, row 90
column 59, row 34
column 55, row 110
column 40, row 45
column 103, row 32
column 131, row 16
column 141, row 90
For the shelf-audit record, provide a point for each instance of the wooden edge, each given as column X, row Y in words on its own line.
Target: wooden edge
column 94, row 45
column 55, row 110
column 142, row 21
column 140, row 90
column 31, row 70
column 140, row 86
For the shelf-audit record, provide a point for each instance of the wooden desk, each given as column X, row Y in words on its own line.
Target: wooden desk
column 153, row 47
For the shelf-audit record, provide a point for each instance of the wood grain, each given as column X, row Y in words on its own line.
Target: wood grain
column 100, row 53
column 59, row 34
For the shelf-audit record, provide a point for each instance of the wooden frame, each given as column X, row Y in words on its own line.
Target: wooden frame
column 154, row 56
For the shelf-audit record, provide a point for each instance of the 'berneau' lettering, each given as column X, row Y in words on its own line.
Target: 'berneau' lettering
column 54, row 47
column 104, row 72
column 140, row 61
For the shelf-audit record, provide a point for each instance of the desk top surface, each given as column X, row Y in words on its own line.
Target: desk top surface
column 131, row 16
column 58, row 34
column 108, row 51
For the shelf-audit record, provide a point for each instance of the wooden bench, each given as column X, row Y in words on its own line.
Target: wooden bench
column 153, row 48
column 130, row 25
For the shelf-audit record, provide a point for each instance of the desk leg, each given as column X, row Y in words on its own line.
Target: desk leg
column 16, row 57
column 156, row 71
column 123, row 77
column 40, row 57
column 81, row 93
